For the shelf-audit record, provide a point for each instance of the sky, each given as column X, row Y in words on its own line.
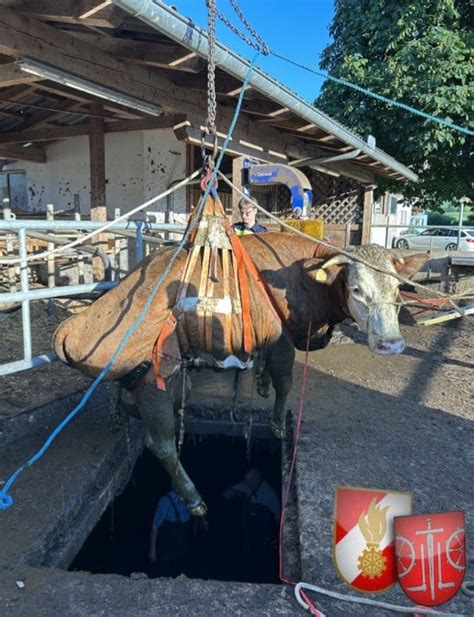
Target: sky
column 298, row 29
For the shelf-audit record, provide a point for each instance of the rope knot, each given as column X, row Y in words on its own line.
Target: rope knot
column 5, row 501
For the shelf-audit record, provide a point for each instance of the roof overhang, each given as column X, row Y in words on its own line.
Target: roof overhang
column 169, row 22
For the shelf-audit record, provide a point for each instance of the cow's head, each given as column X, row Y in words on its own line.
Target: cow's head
column 372, row 297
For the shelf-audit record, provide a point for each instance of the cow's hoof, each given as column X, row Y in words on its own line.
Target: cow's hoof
column 199, row 510
column 277, row 430
column 263, row 388
column 263, row 391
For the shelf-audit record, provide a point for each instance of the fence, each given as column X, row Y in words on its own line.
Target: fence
column 114, row 260
column 442, row 237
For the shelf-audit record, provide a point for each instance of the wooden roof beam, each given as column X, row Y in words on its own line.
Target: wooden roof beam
column 162, row 55
column 30, row 38
column 76, row 130
column 95, row 13
column 12, row 75
column 33, row 154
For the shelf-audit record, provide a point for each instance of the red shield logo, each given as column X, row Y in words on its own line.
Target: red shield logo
column 431, row 556
column 364, row 538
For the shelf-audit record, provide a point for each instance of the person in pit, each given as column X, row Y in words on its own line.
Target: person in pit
column 170, row 537
column 260, row 515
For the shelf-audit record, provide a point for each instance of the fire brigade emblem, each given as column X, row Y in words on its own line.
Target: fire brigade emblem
column 431, row 556
column 364, row 552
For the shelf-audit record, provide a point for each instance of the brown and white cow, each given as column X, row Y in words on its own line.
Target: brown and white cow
column 321, row 291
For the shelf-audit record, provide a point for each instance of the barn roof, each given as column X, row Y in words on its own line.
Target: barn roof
column 152, row 72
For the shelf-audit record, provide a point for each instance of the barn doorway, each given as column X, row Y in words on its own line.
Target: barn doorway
column 120, row 541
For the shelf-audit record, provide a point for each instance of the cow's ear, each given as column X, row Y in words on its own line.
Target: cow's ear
column 411, row 264
column 325, row 272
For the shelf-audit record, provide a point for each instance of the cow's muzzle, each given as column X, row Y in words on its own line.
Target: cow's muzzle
column 386, row 346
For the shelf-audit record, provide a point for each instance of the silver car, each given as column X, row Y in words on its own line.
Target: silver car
column 438, row 239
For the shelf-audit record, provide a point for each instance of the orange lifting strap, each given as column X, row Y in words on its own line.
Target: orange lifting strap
column 216, row 253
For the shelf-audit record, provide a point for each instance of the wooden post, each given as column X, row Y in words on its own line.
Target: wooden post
column 237, row 165
column 50, row 261
column 367, row 214
column 7, row 215
column 97, row 174
column 347, row 241
column 50, row 247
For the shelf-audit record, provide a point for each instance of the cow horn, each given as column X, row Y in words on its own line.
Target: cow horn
column 337, row 260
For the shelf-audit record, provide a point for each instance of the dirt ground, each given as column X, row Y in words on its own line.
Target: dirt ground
column 400, row 423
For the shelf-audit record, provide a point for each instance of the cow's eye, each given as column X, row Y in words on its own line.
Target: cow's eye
column 356, row 291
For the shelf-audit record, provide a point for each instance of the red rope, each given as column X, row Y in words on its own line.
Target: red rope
column 282, row 576
column 313, row 610
column 432, row 302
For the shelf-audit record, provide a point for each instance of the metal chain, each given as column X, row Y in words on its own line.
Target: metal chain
column 260, row 46
column 263, row 46
column 210, row 128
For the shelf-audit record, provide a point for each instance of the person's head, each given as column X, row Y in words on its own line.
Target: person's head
column 253, row 478
column 248, row 212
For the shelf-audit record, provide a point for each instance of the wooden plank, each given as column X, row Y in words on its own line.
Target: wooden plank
column 65, row 132
column 12, row 75
column 237, row 165
column 431, row 321
column 367, row 214
column 23, row 154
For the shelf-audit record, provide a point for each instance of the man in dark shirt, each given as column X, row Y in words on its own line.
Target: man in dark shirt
column 248, row 224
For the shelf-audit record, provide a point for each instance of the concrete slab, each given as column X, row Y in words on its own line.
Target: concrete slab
column 399, row 423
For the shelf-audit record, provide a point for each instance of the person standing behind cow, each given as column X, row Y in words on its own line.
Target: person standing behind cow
column 260, row 509
column 248, row 224
column 170, row 537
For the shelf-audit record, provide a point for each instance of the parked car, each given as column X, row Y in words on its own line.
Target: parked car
column 437, row 239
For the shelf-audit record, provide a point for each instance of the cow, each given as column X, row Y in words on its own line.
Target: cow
column 309, row 292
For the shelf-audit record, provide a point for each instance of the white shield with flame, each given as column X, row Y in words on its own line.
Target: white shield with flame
column 364, row 536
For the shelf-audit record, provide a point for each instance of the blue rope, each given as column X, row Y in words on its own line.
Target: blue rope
column 374, row 95
column 5, row 499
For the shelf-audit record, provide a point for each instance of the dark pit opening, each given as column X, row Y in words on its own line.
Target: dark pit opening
column 120, row 541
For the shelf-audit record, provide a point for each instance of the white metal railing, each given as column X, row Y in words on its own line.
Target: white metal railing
column 115, row 264
column 390, row 242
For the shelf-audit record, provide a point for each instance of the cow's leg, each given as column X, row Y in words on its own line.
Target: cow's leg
column 280, row 361
column 262, row 374
column 157, row 411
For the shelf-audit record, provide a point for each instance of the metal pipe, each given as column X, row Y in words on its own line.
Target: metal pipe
column 91, row 250
column 139, row 242
column 25, row 293
column 82, row 225
column 56, row 292
column 163, row 18
column 22, row 365
column 461, row 216
column 150, row 239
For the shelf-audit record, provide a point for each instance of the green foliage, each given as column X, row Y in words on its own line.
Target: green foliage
column 420, row 52
column 435, row 218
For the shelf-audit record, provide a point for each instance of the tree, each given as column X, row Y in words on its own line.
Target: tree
column 420, row 52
